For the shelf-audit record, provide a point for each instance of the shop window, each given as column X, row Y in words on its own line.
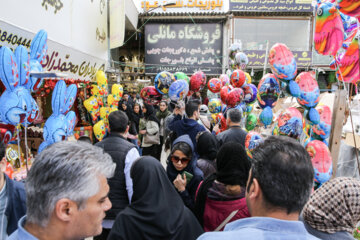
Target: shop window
column 253, row 33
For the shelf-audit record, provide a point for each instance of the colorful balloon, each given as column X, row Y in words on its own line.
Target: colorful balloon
column 162, row 82
column 178, row 90
column 100, row 130
column 349, row 66
column 252, row 141
column 322, row 130
column 225, row 80
column 349, row 7
column 266, row 116
column 92, row 105
column 329, row 30
column 238, row 78
column 150, row 95
column 224, row 92
column 102, row 82
column 214, row 85
column 250, row 92
column 181, row 76
column 197, row 81
column 214, row 105
column 241, row 60
column 282, row 62
column 289, row 123
column 309, row 89
column 321, row 160
column 117, row 91
column 234, row 98
column 251, row 121
column 248, row 78
column 268, row 91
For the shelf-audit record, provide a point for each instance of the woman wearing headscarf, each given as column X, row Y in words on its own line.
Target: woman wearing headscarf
column 333, row 210
column 156, row 210
column 206, row 145
column 161, row 115
column 136, row 115
column 151, row 135
column 221, row 197
column 182, row 171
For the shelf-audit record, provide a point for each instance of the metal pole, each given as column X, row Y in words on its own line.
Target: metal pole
column 266, row 57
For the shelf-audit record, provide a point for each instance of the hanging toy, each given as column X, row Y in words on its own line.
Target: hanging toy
column 321, row 160
column 289, row 123
column 329, row 30
column 38, row 49
column 309, row 95
column 252, row 141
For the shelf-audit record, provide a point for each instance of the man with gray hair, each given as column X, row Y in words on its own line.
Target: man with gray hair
column 234, row 133
column 67, row 193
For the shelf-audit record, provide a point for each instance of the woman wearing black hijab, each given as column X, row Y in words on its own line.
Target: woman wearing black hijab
column 156, row 210
column 206, row 145
column 151, row 133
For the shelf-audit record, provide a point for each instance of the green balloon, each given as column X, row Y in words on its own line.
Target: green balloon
column 181, row 75
column 251, row 122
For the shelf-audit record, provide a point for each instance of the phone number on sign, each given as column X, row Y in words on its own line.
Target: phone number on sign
column 14, row 39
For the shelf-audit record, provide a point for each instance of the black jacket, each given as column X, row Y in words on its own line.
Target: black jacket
column 117, row 146
column 233, row 134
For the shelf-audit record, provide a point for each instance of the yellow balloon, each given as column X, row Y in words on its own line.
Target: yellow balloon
column 248, row 78
column 104, row 113
column 117, row 90
column 95, row 90
column 112, row 109
column 92, row 105
column 102, row 82
column 112, row 102
column 99, row 130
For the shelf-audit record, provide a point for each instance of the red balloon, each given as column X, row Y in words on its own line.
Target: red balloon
column 235, row 97
column 224, row 93
column 150, row 95
column 197, row 81
column 238, row 78
column 214, row 85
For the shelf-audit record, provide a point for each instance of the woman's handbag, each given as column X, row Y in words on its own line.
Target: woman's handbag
column 152, row 139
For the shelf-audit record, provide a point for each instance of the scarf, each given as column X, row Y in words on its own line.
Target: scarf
column 161, row 115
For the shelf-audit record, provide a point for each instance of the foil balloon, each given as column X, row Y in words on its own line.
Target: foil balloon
column 224, row 92
column 234, row 97
column 238, row 78
column 252, row 141
column 210, row 94
column 251, row 121
column 349, row 66
column 282, row 62
column 61, row 123
column 92, row 106
column 197, row 81
column 178, row 90
column 102, row 82
column 349, row 7
column 100, row 130
column 248, row 78
column 104, row 113
column 150, row 95
column 241, row 60
column 117, row 91
column 268, row 91
column 322, row 130
column 310, row 93
column 266, row 116
column 111, row 101
column 38, row 50
column 321, row 160
column 289, row 123
column 95, row 91
column 181, row 76
column 162, row 82
column 234, row 49
column 218, row 118
column 214, row 85
column 7, row 133
column 215, row 105
column 329, row 30
column 16, row 101
column 250, row 95
column 225, row 80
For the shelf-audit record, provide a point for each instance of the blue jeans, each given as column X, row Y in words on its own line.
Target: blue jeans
column 135, row 142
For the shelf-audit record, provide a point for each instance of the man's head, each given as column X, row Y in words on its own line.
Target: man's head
column 280, row 179
column 192, row 109
column 126, row 96
column 118, row 122
column 233, row 117
column 67, row 189
column 133, row 95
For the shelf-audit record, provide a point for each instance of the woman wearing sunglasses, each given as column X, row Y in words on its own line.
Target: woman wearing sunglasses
column 182, row 170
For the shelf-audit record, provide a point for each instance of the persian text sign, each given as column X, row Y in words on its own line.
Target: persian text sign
column 271, row 5
column 184, row 6
column 257, row 58
column 183, row 48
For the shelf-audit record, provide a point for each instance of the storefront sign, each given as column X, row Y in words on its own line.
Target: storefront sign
column 271, row 5
column 74, row 64
column 183, row 48
column 257, row 58
column 184, row 6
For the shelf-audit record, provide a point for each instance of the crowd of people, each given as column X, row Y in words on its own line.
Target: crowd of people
column 163, row 172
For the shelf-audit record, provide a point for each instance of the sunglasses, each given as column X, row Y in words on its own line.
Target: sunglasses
column 176, row 159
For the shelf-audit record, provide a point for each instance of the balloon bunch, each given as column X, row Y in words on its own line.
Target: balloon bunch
column 252, row 141
column 237, row 59
column 289, row 123
column 62, row 121
column 337, row 35
column 101, row 103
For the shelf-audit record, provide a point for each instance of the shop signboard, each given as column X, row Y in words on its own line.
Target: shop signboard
column 189, row 6
column 271, row 5
column 257, row 58
column 180, row 47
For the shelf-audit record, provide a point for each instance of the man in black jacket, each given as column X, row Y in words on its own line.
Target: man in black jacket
column 234, row 133
column 123, row 154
